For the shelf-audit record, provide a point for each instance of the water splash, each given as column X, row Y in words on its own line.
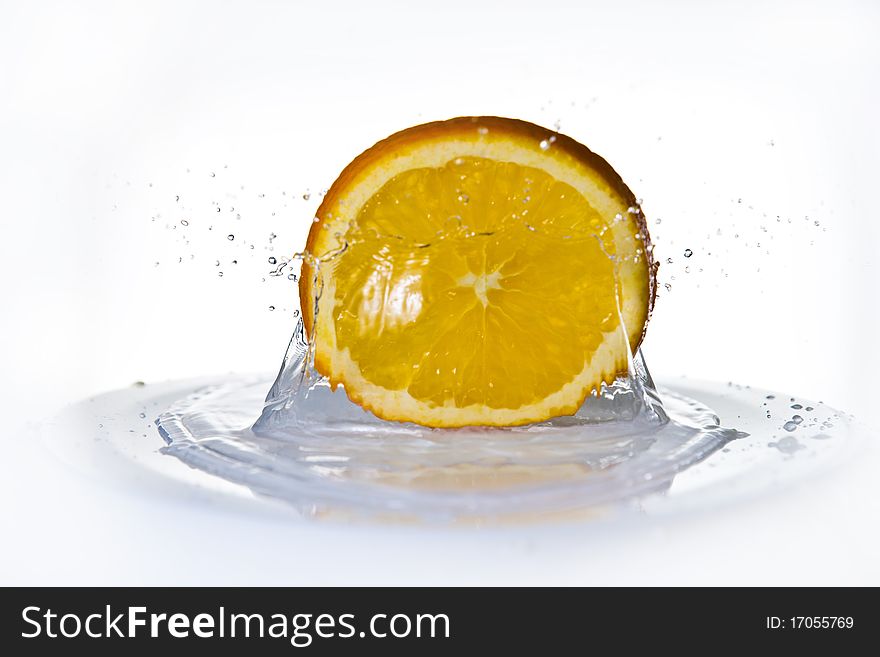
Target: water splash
column 315, row 449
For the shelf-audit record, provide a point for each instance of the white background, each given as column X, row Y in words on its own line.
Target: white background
column 749, row 129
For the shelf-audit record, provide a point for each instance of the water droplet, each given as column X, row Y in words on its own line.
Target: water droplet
column 483, row 130
column 464, row 198
column 797, row 419
column 668, row 261
column 176, row 199
column 545, row 144
column 808, row 408
column 658, row 221
column 291, row 277
column 184, row 222
column 688, row 253
column 787, row 445
column 796, row 407
column 770, row 397
column 216, row 263
column 271, row 307
column 220, row 274
column 142, row 415
column 213, row 175
column 816, row 223
column 790, row 426
column 272, row 260
column 668, row 287
column 230, row 237
column 307, row 196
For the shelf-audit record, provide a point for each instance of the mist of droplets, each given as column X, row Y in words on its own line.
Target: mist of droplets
column 221, row 227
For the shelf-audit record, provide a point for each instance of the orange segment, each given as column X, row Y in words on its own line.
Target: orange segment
column 476, row 271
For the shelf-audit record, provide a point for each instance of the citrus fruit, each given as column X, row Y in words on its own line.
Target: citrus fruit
column 476, row 271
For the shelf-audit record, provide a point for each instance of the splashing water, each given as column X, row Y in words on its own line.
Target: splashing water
column 309, row 445
column 318, row 451
column 314, row 448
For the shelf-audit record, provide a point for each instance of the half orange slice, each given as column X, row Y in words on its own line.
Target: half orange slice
column 476, row 271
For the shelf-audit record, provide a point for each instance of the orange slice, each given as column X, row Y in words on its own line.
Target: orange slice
column 476, row 271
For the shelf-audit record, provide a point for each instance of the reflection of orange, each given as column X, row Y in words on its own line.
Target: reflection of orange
column 476, row 271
